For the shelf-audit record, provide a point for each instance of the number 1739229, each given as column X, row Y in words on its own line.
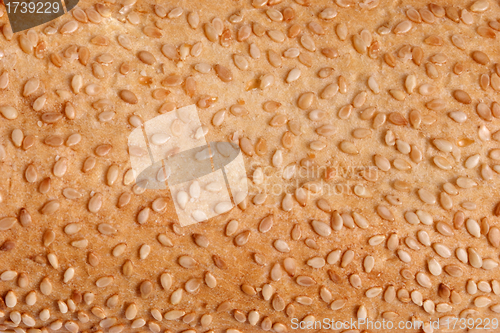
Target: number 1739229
column 40, row 7
column 471, row 323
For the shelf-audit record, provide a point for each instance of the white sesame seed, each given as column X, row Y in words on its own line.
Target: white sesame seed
column 144, row 251
column 46, row 286
column 376, row 240
column 475, row 259
column 176, row 297
column 69, row 274
column 293, row 75
column 425, row 217
column 423, row 280
column 104, row 281
column 434, row 267
column 131, row 311
column 223, row 207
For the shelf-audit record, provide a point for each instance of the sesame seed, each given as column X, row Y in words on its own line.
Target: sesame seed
column 402, row 27
column 104, row 281
column 46, row 287
column 479, row 6
column 187, row 262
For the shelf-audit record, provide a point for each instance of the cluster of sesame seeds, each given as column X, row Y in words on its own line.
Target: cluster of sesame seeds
column 307, row 93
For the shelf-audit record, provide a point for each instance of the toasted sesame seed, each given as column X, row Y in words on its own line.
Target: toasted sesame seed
column 359, row 44
column 187, row 262
column 95, row 203
column 479, row 6
column 475, row 259
column 484, row 286
column 462, row 97
column 442, row 250
column 104, row 281
column 305, row 281
column 9, row 112
column 423, row 280
column 146, row 288
column 46, row 287
column 494, row 237
column 403, row 27
column 128, row 97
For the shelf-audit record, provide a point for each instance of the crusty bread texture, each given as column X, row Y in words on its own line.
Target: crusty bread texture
column 369, row 131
